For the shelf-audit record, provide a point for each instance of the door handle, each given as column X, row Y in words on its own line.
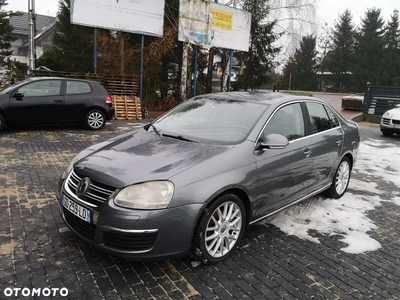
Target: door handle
column 58, row 100
column 338, row 142
column 307, row 152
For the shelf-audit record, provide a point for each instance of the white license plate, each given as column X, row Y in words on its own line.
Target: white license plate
column 78, row 210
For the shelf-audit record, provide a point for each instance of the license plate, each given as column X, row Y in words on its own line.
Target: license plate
column 78, row 210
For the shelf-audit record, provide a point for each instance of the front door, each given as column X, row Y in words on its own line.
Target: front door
column 284, row 175
column 42, row 101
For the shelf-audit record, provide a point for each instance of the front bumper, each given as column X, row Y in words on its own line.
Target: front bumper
column 135, row 234
column 390, row 125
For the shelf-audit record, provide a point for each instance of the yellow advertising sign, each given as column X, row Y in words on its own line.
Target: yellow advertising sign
column 222, row 19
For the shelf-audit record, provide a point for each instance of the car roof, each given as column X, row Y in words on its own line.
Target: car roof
column 56, row 78
column 260, row 97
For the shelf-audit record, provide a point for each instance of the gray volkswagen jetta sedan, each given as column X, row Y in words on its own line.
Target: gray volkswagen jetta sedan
column 191, row 181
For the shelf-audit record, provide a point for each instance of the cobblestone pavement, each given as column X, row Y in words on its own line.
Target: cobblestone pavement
column 38, row 251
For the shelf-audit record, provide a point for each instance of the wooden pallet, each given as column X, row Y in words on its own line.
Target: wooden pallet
column 127, row 108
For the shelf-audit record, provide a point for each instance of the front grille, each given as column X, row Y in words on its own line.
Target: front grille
column 97, row 194
column 130, row 241
column 385, row 121
column 397, row 122
column 83, row 228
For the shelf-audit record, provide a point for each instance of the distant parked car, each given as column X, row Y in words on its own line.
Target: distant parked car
column 192, row 180
column 56, row 100
column 390, row 121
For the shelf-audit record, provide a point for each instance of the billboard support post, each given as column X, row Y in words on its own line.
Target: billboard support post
column 141, row 70
column 196, row 54
column 230, row 71
column 95, row 50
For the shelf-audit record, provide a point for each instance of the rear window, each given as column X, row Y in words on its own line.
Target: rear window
column 78, row 87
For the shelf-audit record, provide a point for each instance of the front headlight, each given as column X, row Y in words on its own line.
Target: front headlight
column 147, row 195
column 388, row 115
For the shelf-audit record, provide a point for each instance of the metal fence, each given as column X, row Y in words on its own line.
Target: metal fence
column 378, row 99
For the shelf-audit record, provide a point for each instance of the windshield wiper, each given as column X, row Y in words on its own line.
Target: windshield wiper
column 155, row 129
column 178, row 137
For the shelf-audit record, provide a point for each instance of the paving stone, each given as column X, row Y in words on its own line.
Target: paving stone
column 268, row 264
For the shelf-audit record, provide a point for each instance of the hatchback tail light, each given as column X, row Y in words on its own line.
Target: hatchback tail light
column 109, row 99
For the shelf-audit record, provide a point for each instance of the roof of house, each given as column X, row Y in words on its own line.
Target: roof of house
column 21, row 23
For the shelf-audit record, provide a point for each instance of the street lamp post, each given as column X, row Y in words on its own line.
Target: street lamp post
column 32, row 30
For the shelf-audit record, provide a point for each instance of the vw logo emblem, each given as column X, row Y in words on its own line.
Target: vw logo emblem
column 83, row 186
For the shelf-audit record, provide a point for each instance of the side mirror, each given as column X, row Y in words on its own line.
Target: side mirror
column 19, row 95
column 274, row 141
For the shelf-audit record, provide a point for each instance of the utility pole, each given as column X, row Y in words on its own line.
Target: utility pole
column 32, row 32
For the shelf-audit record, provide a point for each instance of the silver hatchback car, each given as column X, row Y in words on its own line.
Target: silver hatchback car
column 191, row 181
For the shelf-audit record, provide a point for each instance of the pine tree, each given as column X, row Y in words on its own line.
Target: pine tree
column 258, row 62
column 72, row 45
column 369, row 51
column 392, row 51
column 303, row 66
column 341, row 56
column 289, row 72
column 5, row 42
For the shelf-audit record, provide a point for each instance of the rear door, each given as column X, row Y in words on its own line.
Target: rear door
column 42, row 101
column 284, row 175
column 327, row 138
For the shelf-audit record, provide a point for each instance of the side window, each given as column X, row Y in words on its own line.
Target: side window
column 287, row 121
column 77, row 87
column 41, row 88
column 332, row 117
column 318, row 117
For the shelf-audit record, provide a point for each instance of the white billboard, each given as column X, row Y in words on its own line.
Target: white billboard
column 137, row 16
column 214, row 25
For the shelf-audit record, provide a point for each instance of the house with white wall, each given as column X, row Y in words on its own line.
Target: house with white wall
column 45, row 27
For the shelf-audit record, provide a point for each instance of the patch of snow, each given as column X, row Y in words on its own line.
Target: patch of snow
column 135, row 124
column 359, row 185
column 347, row 216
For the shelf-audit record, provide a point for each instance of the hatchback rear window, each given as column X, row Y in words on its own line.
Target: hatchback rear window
column 77, row 87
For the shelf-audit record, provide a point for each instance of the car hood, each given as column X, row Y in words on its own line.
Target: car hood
column 396, row 113
column 143, row 156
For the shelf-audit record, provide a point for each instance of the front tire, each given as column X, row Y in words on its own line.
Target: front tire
column 220, row 229
column 95, row 120
column 341, row 180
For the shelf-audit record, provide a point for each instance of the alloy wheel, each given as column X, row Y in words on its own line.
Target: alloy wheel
column 342, row 177
column 223, row 229
column 95, row 120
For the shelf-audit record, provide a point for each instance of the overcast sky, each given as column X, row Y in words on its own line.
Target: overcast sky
column 327, row 10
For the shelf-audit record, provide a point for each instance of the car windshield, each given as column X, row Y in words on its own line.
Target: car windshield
column 211, row 120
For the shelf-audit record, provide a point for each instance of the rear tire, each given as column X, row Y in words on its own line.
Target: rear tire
column 2, row 120
column 341, row 180
column 95, row 120
column 220, row 229
column 387, row 133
